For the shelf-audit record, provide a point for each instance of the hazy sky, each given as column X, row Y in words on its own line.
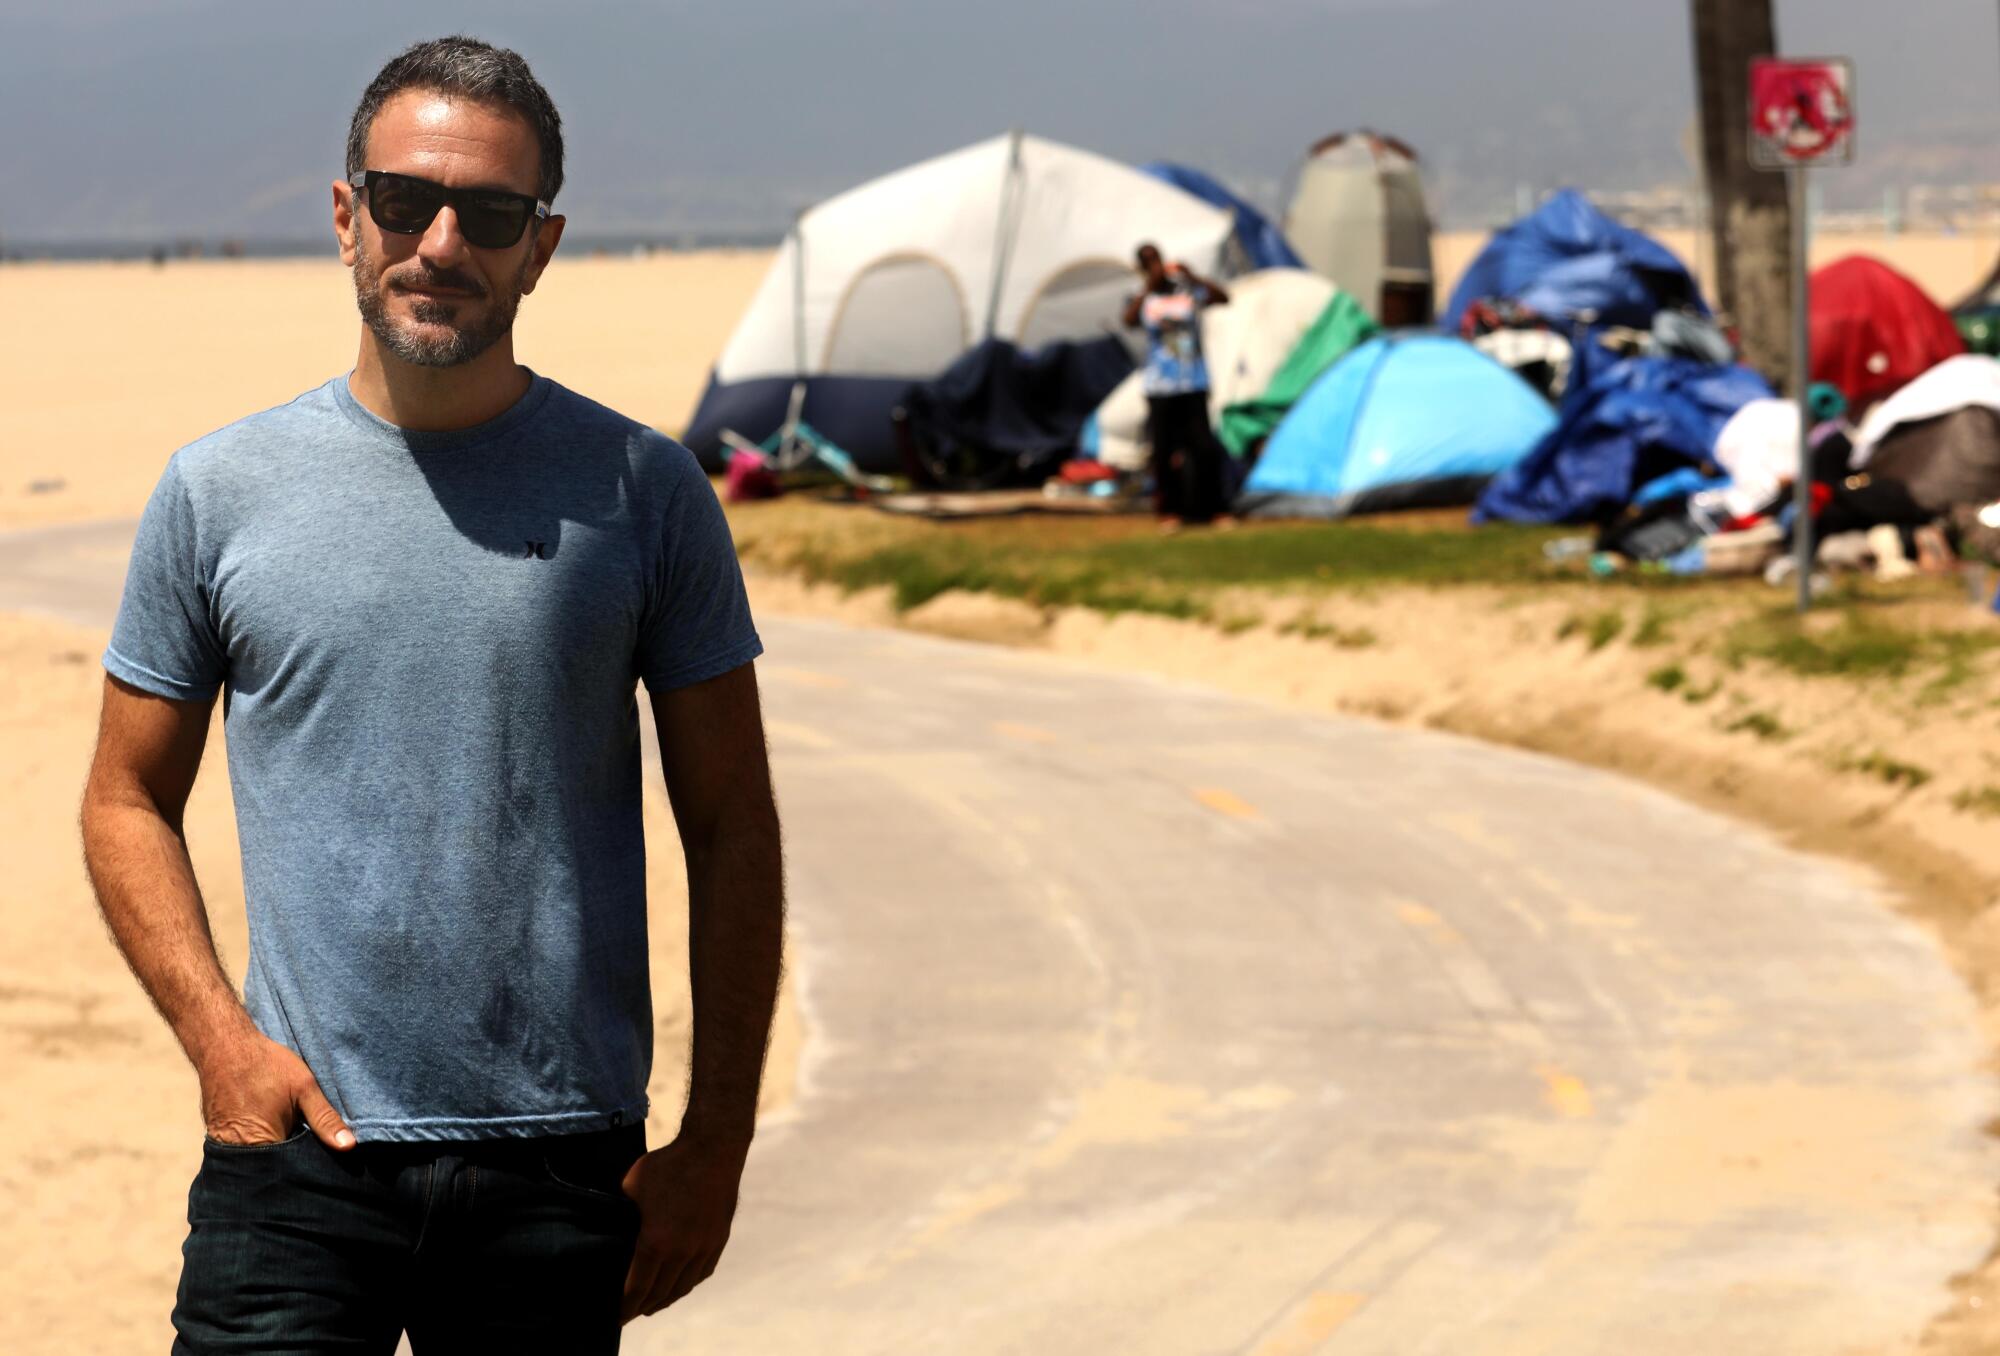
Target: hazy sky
column 130, row 120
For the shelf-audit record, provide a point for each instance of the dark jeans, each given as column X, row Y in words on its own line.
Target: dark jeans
column 1188, row 474
column 488, row 1246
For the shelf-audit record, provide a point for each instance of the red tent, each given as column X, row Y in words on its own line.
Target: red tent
column 1873, row 329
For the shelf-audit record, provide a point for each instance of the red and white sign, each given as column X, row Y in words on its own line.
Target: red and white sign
column 1801, row 112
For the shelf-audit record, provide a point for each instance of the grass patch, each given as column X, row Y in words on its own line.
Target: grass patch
column 1119, row 564
column 1598, row 629
column 1957, row 654
column 1667, row 678
column 1979, row 800
column 1654, row 628
column 1695, row 696
column 1762, row 724
column 1857, row 646
column 915, row 574
column 1342, row 552
column 1891, row 770
column 1346, row 638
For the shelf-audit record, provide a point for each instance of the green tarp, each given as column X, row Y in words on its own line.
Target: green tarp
column 1340, row 327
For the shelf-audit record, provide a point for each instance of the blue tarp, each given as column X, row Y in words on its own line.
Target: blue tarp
column 1264, row 243
column 1024, row 408
column 1403, row 421
column 1566, row 258
column 1624, row 423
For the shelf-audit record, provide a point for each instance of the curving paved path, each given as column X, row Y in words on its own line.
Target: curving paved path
column 1149, row 1020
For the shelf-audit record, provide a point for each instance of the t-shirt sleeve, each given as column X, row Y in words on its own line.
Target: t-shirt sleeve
column 697, row 624
column 165, row 640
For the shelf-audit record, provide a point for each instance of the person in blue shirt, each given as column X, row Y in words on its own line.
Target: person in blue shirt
column 1187, row 458
column 427, row 592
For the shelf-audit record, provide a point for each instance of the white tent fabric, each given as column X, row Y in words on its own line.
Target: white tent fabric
column 1245, row 343
column 1759, row 447
column 1358, row 217
column 1019, row 237
column 1954, row 384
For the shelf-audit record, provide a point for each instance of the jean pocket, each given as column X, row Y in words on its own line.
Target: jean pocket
column 565, row 1176
column 302, row 1133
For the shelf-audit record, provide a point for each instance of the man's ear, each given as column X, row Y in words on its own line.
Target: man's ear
column 344, row 224
column 541, row 251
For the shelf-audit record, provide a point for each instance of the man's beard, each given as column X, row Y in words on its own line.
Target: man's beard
column 458, row 344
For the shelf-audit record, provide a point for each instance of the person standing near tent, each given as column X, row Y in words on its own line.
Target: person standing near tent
column 429, row 589
column 1187, row 459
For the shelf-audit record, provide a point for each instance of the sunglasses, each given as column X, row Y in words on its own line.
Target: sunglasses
column 490, row 218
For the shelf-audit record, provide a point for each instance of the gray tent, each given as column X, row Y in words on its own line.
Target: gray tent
column 1943, row 462
column 1358, row 217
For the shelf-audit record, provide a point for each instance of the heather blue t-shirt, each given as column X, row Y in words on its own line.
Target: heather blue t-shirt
column 428, row 646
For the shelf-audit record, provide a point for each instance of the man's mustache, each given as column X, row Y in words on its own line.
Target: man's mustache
column 440, row 280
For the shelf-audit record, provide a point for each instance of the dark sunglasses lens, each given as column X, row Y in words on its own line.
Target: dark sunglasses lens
column 492, row 223
column 405, row 206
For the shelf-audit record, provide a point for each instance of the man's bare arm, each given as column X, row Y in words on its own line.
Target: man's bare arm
column 719, row 780
column 148, row 753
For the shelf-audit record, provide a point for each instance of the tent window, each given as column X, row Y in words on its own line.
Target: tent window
column 903, row 316
column 1080, row 301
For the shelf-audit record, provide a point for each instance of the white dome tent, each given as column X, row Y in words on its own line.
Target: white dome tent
column 1015, row 238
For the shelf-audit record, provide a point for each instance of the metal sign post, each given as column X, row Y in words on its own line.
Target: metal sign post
column 1801, row 114
column 1803, row 545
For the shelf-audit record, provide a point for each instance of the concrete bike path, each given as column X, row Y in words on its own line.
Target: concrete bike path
column 1144, row 1019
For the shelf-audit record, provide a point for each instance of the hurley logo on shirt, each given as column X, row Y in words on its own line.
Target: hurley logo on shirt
column 537, row 550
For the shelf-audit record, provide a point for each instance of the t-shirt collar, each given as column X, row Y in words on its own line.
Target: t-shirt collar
column 443, row 440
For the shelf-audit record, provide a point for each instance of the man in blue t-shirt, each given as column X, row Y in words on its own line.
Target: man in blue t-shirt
column 427, row 591
column 1188, row 474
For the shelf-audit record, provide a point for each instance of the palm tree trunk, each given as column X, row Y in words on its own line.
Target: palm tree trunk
column 1749, row 216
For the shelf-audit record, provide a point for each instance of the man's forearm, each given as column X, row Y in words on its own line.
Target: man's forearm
column 736, row 924
column 145, row 885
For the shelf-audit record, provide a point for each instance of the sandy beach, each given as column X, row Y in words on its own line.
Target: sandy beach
column 126, row 362
column 110, row 368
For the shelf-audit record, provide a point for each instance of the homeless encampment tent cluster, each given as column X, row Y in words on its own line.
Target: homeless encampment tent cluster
column 957, row 322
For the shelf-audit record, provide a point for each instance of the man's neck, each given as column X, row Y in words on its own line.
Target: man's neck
column 437, row 399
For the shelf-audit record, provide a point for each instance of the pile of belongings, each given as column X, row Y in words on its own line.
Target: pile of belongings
column 1406, row 420
column 1874, row 330
column 1566, row 268
column 1625, row 423
column 1569, row 263
column 1930, row 452
column 1733, row 509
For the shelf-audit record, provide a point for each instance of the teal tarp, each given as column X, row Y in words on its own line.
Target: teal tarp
column 1339, row 327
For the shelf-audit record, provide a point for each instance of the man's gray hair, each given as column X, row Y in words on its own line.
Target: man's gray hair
column 469, row 69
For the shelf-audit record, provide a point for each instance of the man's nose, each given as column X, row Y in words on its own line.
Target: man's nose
column 443, row 243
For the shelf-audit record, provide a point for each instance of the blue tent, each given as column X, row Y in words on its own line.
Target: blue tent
column 1566, row 258
column 1625, row 422
column 1403, row 421
column 1264, row 243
